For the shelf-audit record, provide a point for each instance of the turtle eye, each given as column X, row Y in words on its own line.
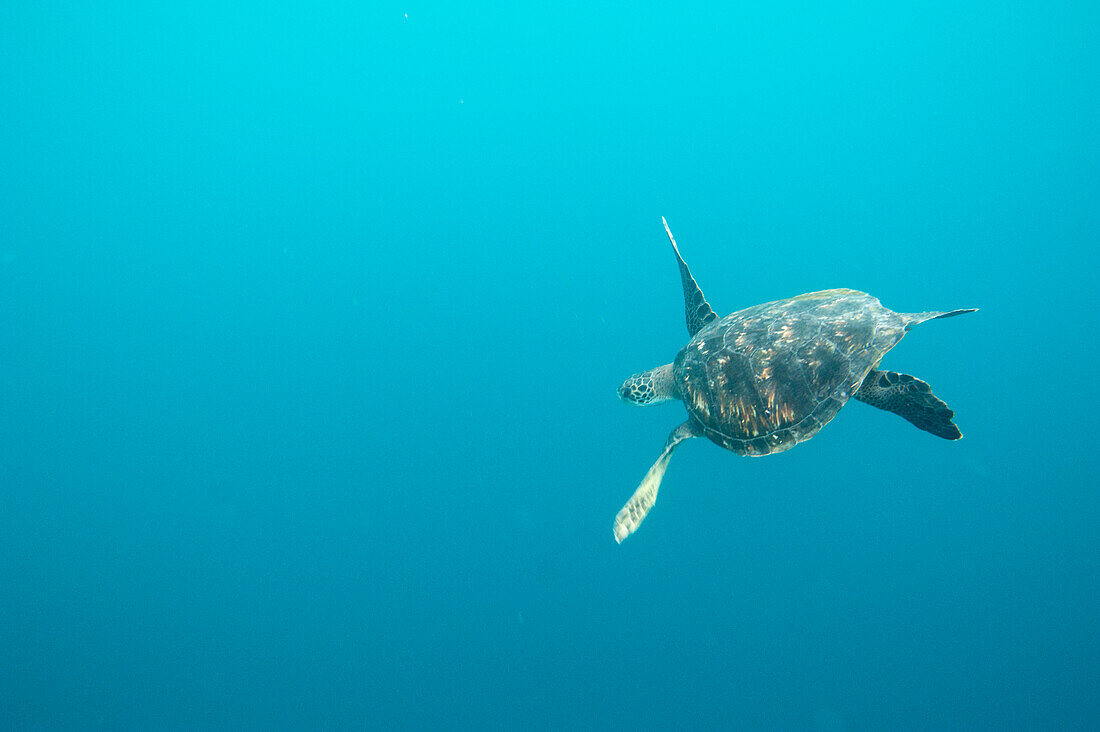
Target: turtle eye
column 633, row 391
column 626, row 391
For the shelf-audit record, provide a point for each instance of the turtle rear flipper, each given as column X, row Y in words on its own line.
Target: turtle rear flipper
column 912, row 319
column 911, row 398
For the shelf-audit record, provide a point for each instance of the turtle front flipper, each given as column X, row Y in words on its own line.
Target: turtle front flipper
column 631, row 515
column 911, row 398
column 696, row 307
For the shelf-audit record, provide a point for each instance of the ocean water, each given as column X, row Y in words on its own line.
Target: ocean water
column 312, row 318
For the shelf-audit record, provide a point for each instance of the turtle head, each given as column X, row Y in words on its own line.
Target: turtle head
column 649, row 387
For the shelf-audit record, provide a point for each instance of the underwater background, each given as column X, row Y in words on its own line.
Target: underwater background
column 312, row 318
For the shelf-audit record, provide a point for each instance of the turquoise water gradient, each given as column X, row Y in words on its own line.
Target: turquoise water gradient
column 312, row 317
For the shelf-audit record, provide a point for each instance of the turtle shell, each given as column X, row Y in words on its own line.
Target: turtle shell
column 763, row 379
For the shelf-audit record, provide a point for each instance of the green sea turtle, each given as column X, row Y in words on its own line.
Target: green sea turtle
column 765, row 378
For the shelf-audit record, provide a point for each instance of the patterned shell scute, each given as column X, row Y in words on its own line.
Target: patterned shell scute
column 763, row 379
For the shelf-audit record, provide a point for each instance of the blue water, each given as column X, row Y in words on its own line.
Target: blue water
column 312, row 317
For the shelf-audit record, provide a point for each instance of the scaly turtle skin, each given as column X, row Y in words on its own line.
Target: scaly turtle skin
column 763, row 379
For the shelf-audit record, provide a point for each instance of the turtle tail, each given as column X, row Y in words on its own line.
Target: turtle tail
column 912, row 319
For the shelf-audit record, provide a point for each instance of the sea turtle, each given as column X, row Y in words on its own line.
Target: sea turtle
column 763, row 379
